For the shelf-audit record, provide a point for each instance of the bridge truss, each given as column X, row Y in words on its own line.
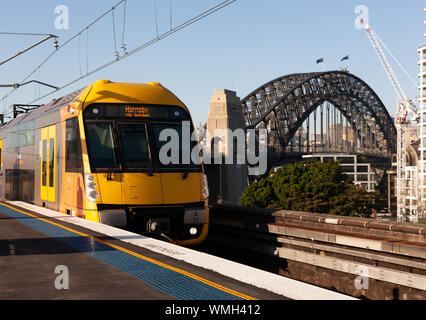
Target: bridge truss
column 323, row 112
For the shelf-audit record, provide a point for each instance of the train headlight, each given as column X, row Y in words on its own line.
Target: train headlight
column 93, row 195
column 91, row 185
column 204, row 186
column 193, row 231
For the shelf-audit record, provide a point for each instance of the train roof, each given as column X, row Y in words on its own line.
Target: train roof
column 105, row 91
column 54, row 104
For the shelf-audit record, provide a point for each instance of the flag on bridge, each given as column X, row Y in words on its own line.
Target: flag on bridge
column 345, row 58
column 320, row 60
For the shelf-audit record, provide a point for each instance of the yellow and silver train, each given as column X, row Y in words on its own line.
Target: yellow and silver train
column 94, row 154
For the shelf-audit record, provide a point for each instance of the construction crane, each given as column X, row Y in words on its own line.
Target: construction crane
column 405, row 107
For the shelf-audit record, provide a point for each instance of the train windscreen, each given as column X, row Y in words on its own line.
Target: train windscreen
column 101, row 144
column 134, row 140
column 170, row 140
column 139, row 138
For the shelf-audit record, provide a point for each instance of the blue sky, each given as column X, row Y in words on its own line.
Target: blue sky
column 240, row 47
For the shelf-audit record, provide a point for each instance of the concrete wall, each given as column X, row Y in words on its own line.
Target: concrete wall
column 226, row 181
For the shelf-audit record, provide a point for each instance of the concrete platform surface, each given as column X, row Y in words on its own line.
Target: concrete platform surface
column 48, row 255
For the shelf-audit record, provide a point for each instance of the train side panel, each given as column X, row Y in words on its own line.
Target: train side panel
column 23, row 154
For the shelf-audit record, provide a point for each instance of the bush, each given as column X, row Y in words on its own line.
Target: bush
column 258, row 194
column 310, row 186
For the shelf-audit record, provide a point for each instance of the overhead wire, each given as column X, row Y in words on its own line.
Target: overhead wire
column 25, row 34
column 123, row 45
column 159, row 37
column 62, row 45
column 116, row 53
column 171, row 14
column 79, row 54
column 155, row 16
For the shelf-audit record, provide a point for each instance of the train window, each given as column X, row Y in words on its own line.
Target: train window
column 73, row 156
column 174, row 146
column 20, row 135
column 135, row 145
column 44, row 164
column 51, row 162
column 100, row 143
column 12, row 138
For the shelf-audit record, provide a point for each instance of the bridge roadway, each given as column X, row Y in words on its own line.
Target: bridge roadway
column 110, row 263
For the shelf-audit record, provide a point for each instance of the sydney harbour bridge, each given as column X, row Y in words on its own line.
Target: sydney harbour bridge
column 322, row 112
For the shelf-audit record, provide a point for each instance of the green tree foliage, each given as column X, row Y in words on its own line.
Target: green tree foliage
column 259, row 194
column 310, row 186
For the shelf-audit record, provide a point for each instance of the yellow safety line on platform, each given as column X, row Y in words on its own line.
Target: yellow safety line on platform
column 188, row 274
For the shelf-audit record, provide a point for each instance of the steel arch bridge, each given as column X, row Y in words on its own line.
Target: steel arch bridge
column 285, row 107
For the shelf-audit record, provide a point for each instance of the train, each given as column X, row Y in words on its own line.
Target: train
column 95, row 154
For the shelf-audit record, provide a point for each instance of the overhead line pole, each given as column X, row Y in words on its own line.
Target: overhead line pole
column 62, row 45
column 17, row 85
column 30, row 47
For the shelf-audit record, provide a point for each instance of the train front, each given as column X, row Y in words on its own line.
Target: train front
column 145, row 171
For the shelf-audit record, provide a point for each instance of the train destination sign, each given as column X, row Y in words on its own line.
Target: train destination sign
column 134, row 111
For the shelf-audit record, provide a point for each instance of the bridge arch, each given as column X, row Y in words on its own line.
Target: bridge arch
column 285, row 103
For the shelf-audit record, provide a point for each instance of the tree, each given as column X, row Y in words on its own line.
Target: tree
column 310, row 186
column 258, row 194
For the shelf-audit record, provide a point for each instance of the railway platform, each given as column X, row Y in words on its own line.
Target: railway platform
column 47, row 255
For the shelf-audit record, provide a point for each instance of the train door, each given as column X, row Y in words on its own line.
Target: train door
column 48, row 157
column 72, row 185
